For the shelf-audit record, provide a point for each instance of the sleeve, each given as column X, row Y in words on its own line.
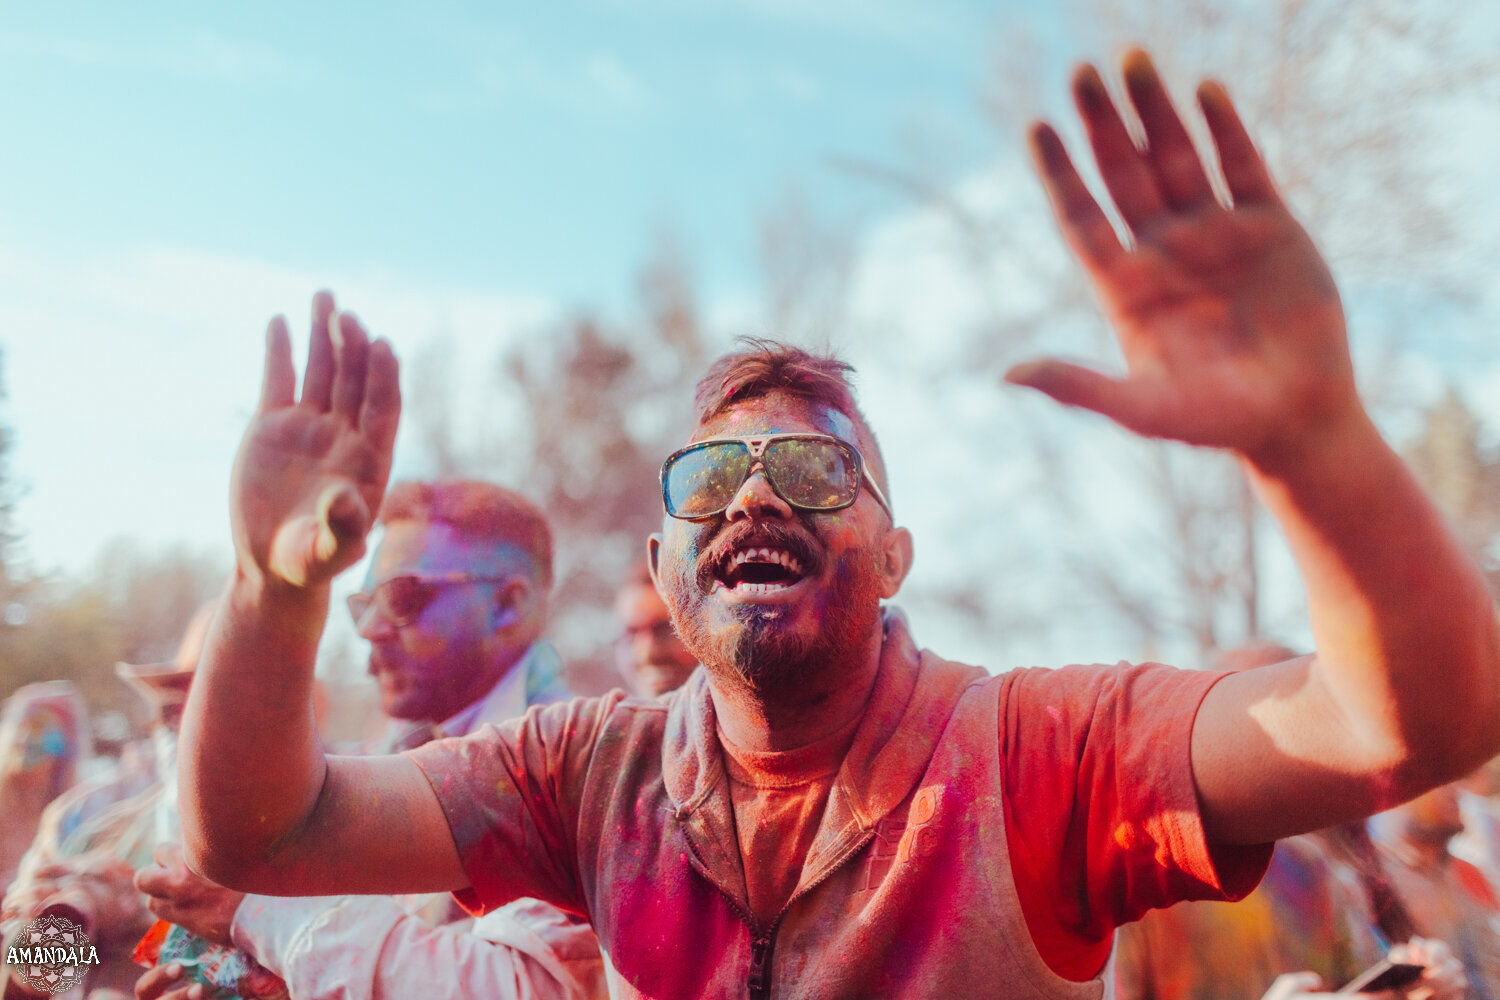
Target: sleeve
column 1101, row 809
column 511, row 795
column 370, row 948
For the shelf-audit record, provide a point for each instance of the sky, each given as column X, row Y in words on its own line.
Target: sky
column 178, row 173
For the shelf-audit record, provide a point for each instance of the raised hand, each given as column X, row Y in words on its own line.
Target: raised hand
column 1227, row 316
column 311, row 472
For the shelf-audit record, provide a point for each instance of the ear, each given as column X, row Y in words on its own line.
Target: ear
column 897, row 554
column 511, row 603
column 653, row 560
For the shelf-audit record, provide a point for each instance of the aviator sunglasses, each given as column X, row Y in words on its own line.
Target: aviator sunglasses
column 401, row 599
column 816, row 472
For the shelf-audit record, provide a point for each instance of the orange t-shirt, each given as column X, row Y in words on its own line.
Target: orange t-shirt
column 778, row 802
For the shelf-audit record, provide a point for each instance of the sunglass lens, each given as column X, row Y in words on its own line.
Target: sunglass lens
column 402, row 599
column 702, row 481
column 814, row 473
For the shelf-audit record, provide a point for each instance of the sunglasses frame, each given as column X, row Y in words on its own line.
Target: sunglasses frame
column 426, row 579
column 756, row 445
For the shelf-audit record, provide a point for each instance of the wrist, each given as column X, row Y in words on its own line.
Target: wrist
column 292, row 608
column 1335, row 438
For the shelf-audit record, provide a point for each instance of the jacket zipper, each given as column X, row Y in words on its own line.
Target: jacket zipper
column 762, row 945
column 759, row 980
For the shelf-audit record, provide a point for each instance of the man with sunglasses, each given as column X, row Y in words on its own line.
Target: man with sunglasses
column 453, row 605
column 824, row 810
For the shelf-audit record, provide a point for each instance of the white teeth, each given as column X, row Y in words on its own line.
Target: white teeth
column 777, row 556
column 758, row 589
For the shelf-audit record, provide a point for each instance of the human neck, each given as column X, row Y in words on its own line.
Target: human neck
column 479, row 685
column 799, row 714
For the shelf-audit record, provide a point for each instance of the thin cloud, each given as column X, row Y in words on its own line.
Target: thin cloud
column 497, row 70
column 198, row 55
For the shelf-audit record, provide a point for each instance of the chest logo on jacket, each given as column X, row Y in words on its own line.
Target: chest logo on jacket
column 898, row 841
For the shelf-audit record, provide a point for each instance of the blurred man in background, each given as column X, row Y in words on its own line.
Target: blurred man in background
column 1446, row 896
column 649, row 653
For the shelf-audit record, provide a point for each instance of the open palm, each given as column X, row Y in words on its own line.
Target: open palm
column 311, row 472
column 1228, row 318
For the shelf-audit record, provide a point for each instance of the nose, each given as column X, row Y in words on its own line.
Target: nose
column 372, row 625
column 756, row 499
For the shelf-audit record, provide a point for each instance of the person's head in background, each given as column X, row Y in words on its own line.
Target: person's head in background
column 651, row 657
column 455, row 595
column 1432, row 818
column 164, row 686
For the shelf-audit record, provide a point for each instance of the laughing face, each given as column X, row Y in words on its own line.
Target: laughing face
column 769, row 594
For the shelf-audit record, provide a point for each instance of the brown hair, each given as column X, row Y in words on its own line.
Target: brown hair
column 476, row 510
column 765, row 366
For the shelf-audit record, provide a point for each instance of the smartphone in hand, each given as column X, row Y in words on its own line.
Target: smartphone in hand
column 1384, row 975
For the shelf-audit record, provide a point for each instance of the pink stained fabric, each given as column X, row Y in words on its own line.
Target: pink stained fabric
column 620, row 809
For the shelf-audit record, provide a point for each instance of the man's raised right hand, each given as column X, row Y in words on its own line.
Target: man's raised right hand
column 311, row 472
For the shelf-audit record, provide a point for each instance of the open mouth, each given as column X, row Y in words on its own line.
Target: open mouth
column 756, row 572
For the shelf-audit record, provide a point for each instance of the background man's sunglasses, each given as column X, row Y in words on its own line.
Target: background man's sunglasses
column 401, row 599
column 816, row 472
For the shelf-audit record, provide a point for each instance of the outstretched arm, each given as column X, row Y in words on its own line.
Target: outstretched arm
column 1234, row 337
column 261, row 806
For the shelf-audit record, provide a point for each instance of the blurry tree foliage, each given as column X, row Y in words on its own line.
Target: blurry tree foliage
column 132, row 605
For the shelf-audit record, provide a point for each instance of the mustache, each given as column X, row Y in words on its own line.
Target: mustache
column 764, row 534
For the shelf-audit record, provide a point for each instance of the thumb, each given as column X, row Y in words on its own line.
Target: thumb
column 1292, row 985
column 1077, row 386
column 1072, row 385
column 342, row 517
column 315, row 547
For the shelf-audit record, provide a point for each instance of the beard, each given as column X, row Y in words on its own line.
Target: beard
column 764, row 647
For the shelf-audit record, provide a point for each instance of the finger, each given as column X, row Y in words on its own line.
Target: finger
column 1074, row 385
column 381, row 413
column 1244, row 170
column 1084, row 225
column 1121, row 165
column 1169, row 149
column 152, row 881
column 157, row 981
column 352, row 346
column 278, row 385
column 317, row 381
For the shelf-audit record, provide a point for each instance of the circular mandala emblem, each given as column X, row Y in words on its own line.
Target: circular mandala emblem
column 51, row 954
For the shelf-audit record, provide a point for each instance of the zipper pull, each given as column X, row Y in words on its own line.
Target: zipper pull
column 759, row 980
